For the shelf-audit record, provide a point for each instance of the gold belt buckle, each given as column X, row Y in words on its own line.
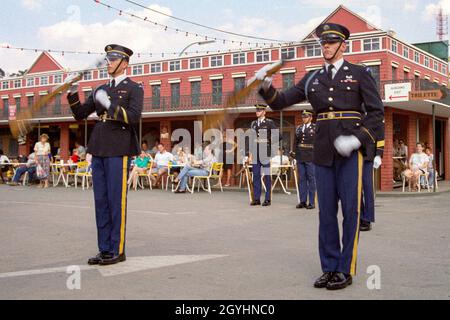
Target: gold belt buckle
column 331, row 115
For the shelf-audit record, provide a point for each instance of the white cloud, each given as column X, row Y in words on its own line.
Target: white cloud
column 32, row 4
column 72, row 34
column 432, row 10
column 410, row 5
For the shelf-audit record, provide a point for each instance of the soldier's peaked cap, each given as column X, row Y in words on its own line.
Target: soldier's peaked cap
column 261, row 106
column 118, row 51
column 332, row 31
column 307, row 113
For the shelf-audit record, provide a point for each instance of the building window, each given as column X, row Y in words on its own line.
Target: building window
column 406, row 75
column 394, row 73
column 30, row 82
column 239, row 58
column 406, row 52
column 156, row 97
column 239, row 84
column 444, row 69
column 30, row 101
column 175, row 95
column 217, row 92
column 288, row 80
column 138, row 70
column 17, row 83
column 58, row 78
column 195, row 63
column 313, row 50
column 5, row 108
column 103, row 74
column 216, row 61
column 288, row 53
column 87, row 94
column 174, row 65
column 5, row 85
column 436, row 66
column 17, row 100
column 375, row 72
column 427, row 62
column 372, row 44
column 155, row 67
column 263, row 56
column 394, row 46
column 87, row 75
column 349, row 46
column 416, row 57
column 57, row 106
column 195, row 93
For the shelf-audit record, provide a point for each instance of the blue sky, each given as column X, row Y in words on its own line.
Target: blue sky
column 84, row 25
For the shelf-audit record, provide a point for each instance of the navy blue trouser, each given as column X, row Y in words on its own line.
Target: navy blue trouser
column 257, row 186
column 110, row 176
column 368, row 206
column 342, row 181
column 307, row 182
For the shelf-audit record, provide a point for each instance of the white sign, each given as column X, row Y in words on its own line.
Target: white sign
column 397, row 91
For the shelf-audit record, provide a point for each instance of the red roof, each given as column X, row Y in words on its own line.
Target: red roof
column 45, row 63
column 354, row 22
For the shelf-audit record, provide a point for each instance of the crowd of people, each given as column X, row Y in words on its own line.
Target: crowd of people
column 417, row 167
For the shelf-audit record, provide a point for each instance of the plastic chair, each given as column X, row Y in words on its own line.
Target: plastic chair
column 214, row 173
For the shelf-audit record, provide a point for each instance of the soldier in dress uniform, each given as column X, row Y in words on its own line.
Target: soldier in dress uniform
column 372, row 160
column 336, row 93
column 304, row 142
column 261, row 156
column 113, row 141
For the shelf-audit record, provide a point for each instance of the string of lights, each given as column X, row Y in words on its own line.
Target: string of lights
column 138, row 54
column 188, row 33
column 204, row 26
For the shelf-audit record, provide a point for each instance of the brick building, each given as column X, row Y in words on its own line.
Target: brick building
column 181, row 91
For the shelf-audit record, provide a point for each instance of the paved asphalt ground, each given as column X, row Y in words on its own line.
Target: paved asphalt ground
column 214, row 247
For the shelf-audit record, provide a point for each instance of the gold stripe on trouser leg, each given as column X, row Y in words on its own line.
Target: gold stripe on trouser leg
column 316, row 201
column 355, row 243
column 123, row 204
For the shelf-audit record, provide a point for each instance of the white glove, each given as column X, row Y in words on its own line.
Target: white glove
column 345, row 145
column 265, row 85
column 74, row 87
column 102, row 98
column 262, row 73
column 377, row 162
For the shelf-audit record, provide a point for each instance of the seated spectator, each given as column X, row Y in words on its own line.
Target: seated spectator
column 145, row 148
column 430, row 169
column 198, row 151
column 81, row 149
column 73, row 160
column 418, row 165
column 30, row 167
column 4, row 160
column 161, row 163
column 278, row 160
column 195, row 169
column 140, row 167
column 88, row 158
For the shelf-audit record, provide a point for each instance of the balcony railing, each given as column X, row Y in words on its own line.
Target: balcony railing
column 204, row 101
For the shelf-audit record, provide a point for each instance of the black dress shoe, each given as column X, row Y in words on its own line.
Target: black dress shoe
column 310, row 207
column 180, row 191
column 364, row 226
column 255, row 203
column 323, row 280
column 113, row 260
column 301, row 205
column 96, row 260
column 339, row 281
column 266, row 203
